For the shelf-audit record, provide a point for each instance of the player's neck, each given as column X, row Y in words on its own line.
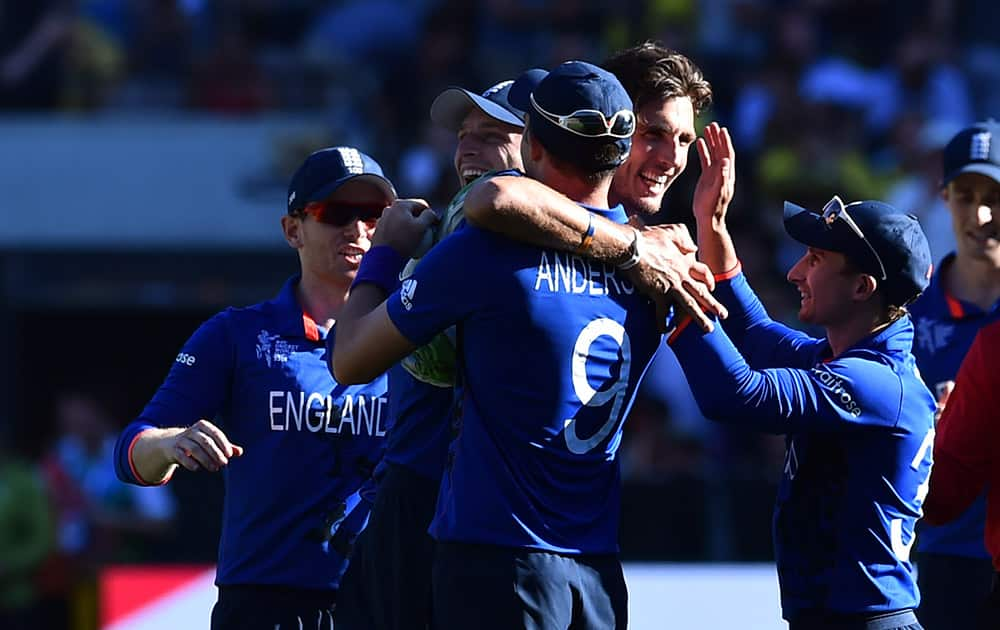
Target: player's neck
column 973, row 280
column 846, row 334
column 578, row 190
column 320, row 299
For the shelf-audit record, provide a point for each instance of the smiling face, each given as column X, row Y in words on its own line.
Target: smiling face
column 332, row 252
column 827, row 288
column 486, row 144
column 974, row 202
column 664, row 133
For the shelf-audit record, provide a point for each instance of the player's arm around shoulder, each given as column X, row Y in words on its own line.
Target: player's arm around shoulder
column 366, row 341
column 527, row 210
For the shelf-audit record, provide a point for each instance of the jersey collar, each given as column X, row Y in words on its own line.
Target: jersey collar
column 957, row 309
column 615, row 214
column 291, row 319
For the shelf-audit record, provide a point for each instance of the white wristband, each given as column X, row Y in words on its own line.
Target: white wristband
column 633, row 252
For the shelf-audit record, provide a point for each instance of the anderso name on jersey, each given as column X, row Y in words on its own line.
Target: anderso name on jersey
column 569, row 273
column 314, row 412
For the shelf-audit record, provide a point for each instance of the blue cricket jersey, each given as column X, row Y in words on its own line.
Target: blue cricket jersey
column 859, row 434
column 419, row 428
column 945, row 327
column 551, row 348
column 260, row 374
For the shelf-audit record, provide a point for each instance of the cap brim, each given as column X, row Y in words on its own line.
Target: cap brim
column 808, row 228
column 379, row 182
column 989, row 170
column 451, row 107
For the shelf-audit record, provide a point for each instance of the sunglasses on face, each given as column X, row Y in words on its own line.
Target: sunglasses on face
column 834, row 210
column 590, row 122
column 342, row 213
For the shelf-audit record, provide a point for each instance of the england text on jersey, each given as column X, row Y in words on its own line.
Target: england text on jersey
column 315, row 412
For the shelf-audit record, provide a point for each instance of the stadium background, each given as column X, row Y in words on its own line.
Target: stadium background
column 145, row 147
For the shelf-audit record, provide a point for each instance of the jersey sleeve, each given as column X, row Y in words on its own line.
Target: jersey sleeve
column 966, row 434
column 445, row 287
column 763, row 341
column 196, row 387
column 828, row 397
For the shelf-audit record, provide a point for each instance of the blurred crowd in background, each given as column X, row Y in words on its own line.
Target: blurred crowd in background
column 853, row 97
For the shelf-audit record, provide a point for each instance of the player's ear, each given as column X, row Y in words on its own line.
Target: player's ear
column 534, row 149
column 291, row 226
column 865, row 286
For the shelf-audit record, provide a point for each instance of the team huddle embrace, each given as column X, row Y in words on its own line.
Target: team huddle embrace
column 500, row 342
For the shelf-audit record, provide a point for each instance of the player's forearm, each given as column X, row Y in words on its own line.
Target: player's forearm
column 362, row 348
column 715, row 246
column 149, row 455
column 528, row 211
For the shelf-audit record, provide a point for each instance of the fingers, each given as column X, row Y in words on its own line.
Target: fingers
column 203, row 446
column 183, row 457
column 703, row 155
column 676, row 233
column 217, row 436
column 686, row 304
column 702, row 273
column 706, row 301
column 412, row 206
column 727, row 144
column 428, row 217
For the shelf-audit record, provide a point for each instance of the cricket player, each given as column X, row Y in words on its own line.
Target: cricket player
column 250, row 394
column 964, row 295
column 857, row 418
column 388, row 584
column 550, row 349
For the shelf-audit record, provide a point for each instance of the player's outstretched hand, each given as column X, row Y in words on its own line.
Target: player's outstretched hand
column 717, row 183
column 404, row 226
column 668, row 267
column 202, row 446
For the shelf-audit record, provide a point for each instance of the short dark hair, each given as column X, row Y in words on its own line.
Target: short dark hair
column 652, row 71
column 585, row 153
column 890, row 311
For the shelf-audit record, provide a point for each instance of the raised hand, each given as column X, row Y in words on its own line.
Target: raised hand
column 717, row 183
column 404, row 226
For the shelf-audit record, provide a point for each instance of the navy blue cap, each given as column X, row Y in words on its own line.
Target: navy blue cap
column 328, row 169
column 572, row 86
column 894, row 235
column 975, row 149
column 451, row 107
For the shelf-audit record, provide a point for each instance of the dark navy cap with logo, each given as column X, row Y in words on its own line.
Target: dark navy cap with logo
column 451, row 107
column 328, row 169
column 572, row 87
column 887, row 243
column 975, row 149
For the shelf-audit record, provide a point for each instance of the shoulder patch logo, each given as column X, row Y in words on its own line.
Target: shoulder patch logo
column 406, row 293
